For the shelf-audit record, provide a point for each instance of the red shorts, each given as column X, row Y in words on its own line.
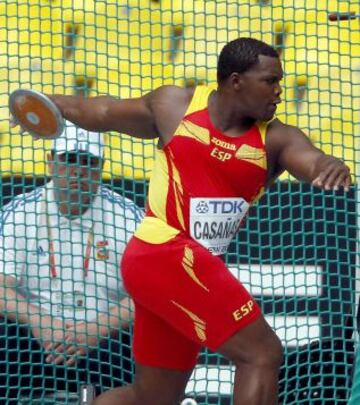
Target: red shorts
column 185, row 298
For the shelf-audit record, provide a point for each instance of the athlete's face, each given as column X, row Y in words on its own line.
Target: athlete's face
column 76, row 177
column 259, row 88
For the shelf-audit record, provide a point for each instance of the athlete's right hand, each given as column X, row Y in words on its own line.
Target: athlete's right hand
column 333, row 174
column 13, row 122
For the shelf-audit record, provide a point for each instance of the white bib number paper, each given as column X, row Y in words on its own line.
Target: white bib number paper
column 215, row 221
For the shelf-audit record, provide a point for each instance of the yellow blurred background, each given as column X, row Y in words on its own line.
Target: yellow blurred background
column 127, row 48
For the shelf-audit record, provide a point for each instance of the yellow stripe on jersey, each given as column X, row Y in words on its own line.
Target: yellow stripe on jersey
column 188, row 265
column 178, row 193
column 262, row 126
column 200, row 98
column 159, row 186
column 252, row 155
column 199, row 324
column 191, row 130
column 154, row 230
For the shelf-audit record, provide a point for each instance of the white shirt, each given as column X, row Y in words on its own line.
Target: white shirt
column 24, row 251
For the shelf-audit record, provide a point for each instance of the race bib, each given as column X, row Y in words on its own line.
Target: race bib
column 215, row 221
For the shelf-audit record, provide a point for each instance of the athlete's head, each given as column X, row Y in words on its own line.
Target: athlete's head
column 75, row 164
column 250, row 70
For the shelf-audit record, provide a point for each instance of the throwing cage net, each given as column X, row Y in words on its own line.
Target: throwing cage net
column 298, row 251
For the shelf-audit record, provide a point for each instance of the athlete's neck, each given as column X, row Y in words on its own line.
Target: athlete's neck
column 225, row 117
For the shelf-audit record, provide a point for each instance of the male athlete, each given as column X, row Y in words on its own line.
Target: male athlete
column 218, row 150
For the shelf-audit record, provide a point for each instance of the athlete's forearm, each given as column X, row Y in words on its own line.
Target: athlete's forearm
column 331, row 173
column 133, row 116
column 87, row 113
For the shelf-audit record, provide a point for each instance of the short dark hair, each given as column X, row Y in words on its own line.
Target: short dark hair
column 240, row 55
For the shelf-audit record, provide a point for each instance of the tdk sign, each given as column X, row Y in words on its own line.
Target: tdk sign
column 236, row 206
column 214, row 222
column 202, row 207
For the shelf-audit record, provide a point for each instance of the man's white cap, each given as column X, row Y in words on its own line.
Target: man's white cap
column 75, row 139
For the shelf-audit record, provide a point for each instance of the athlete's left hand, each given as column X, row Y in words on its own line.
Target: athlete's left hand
column 333, row 174
column 78, row 340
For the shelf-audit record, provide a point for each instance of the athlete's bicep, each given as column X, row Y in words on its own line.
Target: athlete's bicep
column 296, row 154
column 132, row 116
column 157, row 114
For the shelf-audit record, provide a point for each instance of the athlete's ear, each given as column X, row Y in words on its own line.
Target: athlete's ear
column 236, row 80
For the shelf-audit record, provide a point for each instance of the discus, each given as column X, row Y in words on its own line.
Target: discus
column 36, row 114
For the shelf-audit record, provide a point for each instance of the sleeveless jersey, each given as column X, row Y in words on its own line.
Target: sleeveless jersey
column 204, row 181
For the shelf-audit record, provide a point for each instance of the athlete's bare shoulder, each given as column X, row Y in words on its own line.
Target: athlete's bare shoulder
column 276, row 128
column 172, row 91
column 168, row 105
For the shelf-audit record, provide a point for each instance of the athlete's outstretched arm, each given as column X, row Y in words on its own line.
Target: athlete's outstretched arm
column 294, row 152
column 105, row 113
column 143, row 117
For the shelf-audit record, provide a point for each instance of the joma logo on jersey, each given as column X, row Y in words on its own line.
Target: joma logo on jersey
column 220, row 207
column 244, row 310
column 225, row 145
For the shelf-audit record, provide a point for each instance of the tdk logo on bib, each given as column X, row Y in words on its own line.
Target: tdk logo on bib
column 215, row 221
column 233, row 206
column 202, row 207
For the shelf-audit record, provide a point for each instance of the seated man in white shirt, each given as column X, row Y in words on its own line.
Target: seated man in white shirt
column 63, row 312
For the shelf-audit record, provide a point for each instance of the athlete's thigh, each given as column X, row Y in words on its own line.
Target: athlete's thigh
column 190, row 289
column 252, row 344
column 159, row 386
column 156, row 343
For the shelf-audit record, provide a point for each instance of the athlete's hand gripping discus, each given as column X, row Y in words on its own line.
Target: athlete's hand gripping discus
column 36, row 114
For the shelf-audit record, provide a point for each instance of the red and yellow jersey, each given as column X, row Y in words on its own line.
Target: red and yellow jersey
column 204, row 181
